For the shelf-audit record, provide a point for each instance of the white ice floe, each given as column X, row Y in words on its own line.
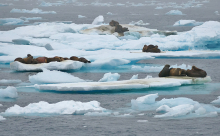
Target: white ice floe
column 140, row 22
column 9, row 92
column 98, row 20
column 2, row 118
column 11, row 21
column 64, row 65
column 157, row 68
column 33, row 11
column 187, row 23
column 109, row 13
column 217, row 101
column 134, row 77
column 4, row 81
column 53, row 77
column 217, row 13
column 81, row 16
column 174, row 12
column 174, row 108
column 125, row 84
column 109, row 77
column 63, row 107
column 48, row 4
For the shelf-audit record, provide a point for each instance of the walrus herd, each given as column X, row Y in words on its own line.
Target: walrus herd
column 194, row 72
column 151, row 48
column 118, row 28
column 31, row 60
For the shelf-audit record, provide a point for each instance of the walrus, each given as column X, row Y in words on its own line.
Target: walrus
column 19, row 60
column 165, row 71
column 151, row 48
column 113, row 23
column 196, row 72
column 28, row 60
column 66, row 58
column 74, row 58
column 41, row 60
column 120, row 29
column 84, row 60
column 177, row 72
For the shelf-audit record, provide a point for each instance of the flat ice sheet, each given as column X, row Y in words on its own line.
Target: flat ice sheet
column 125, row 84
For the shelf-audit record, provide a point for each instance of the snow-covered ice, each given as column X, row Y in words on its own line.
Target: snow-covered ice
column 187, row 23
column 180, row 107
column 63, row 107
column 9, row 92
column 33, row 11
column 53, row 77
column 174, row 12
column 64, row 65
column 98, row 20
column 109, row 77
column 2, row 118
column 125, row 84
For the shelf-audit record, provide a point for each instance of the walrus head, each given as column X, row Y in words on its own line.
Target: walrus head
column 167, row 65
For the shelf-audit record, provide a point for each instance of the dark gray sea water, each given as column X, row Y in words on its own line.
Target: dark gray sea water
column 79, row 125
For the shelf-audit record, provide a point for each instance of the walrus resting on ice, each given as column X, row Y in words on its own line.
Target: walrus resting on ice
column 165, row 71
column 177, row 72
column 196, row 72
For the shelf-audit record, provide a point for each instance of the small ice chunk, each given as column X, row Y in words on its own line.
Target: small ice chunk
column 217, row 101
column 81, row 16
column 108, row 77
column 2, row 118
column 33, row 11
column 142, row 121
column 140, row 22
column 187, row 23
column 11, row 21
column 98, row 113
column 174, row 12
column 147, row 99
column 53, row 77
column 4, row 81
column 109, row 13
column 134, row 77
column 21, row 41
column 217, row 13
column 48, row 47
column 98, row 20
column 63, row 107
column 9, row 92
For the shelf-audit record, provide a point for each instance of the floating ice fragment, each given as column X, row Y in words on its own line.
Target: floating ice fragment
column 9, row 92
column 33, row 11
column 63, row 107
column 53, row 77
column 4, row 81
column 98, row 20
column 217, row 13
column 187, row 23
column 81, row 16
column 21, row 41
column 2, row 118
column 11, row 21
column 217, row 101
column 140, row 22
column 134, row 77
column 174, row 12
column 109, row 77
column 48, row 47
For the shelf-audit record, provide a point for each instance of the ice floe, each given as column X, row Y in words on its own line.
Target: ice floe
column 217, row 13
column 98, row 20
column 109, row 77
column 17, row 21
column 9, row 92
column 187, row 23
column 134, row 77
column 180, row 107
column 217, row 101
column 64, row 65
column 125, row 84
column 81, row 16
column 2, row 118
column 140, row 22
column 174, row 12
column 4, row 81
column 63, row 107
column 33, row 11
column 53, row 77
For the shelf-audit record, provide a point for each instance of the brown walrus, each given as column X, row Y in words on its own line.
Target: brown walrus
column 177, row 72
column 84, row 60
column 113, row 23
column 74, row 58
column 19, row 60
column 28, row 60
column 165, row 71
column 196, row 72
column 41, row 60
column 120, row 29
column 151, row 48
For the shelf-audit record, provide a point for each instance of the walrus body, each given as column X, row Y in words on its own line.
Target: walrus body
column 165, row 71
column 177, row 72
column 74, row 58
column 196, row 72
column 41, row 60
column 113, row 23
column 151, row 48
column 84, row 60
